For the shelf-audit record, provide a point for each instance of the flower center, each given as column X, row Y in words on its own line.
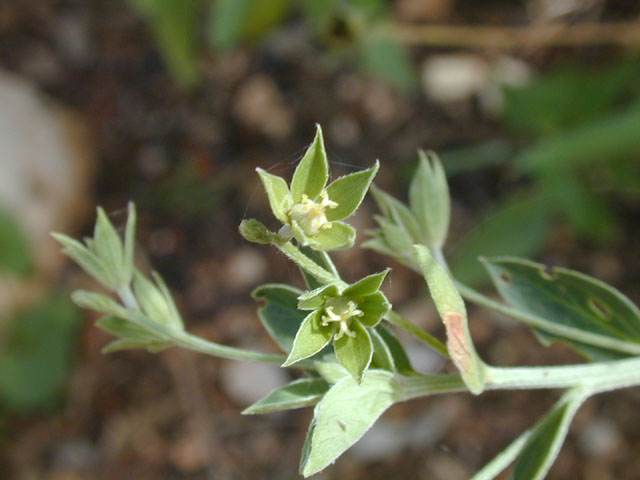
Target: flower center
column 342, row 311
column 311, row 215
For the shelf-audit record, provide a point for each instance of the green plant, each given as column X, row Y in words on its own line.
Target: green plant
column 339, row 335
column 354, row 29
column 581, row 128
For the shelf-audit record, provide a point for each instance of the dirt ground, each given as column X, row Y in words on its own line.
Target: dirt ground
column 187, row 159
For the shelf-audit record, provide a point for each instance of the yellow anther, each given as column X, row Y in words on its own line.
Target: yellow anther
column 341, row 310
column 310, row 215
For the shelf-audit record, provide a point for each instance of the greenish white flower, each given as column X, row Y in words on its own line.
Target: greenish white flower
column 341, row 317
column 311, row 211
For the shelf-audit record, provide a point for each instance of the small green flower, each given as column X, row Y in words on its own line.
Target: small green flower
column 341, row 316
column 310, row 210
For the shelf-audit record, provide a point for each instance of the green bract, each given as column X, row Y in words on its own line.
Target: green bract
column 341, row 315
column 312, row 211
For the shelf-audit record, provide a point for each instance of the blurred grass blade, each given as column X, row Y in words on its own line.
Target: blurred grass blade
column 516, row 226
column 174, row 25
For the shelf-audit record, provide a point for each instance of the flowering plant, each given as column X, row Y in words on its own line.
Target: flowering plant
column 341, row 336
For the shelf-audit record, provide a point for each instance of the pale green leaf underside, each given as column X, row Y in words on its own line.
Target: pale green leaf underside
column 345, row 413
column 298, row 394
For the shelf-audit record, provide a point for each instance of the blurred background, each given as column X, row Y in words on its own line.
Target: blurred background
column 533, row 106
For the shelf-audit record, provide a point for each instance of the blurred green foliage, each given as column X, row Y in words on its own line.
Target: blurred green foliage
column 15, row 255
column 347, row 28
column 582, row 128
column 37, row 355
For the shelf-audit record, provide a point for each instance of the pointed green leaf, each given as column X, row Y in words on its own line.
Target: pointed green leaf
column 343, row 415
column 130, row 240
column 127, row 330
column 304, row 392
column 567, row 298
column 400, row 358
column 108, row 247
column 366, row 285
column 129, row 344
column 374, row 307
column 349, row 191
column 451, row 309
column 316, row 298
column 429, row 199
column 398, row 240
column 278, row 194
column 546, row 439
column 354, row 353
column 310, row 339
column 312, row 172
column 397, row 213
column 338, row 237
column 280, row 315
column 382, row 356
column 98, row 302
column 85, row 259
column 154, row 302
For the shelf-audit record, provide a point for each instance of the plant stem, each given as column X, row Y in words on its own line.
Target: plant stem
column 423, row 385
column 192, row 342
column 425, row 337
column 582, row 336
column 308, row 265
column 596, row 377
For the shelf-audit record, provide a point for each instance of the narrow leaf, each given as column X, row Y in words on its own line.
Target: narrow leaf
column 130, row 240
column 400, row 358
column 543, row 446
column 382, row 356
column 429, row 199
column 300, row 393
column 312, row 172
column 108, row 247
column 277, row 193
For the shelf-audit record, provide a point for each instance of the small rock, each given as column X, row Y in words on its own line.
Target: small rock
column 245, row 267
column 455, row 77
column 599, row 438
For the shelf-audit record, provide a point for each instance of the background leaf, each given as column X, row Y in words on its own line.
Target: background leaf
column 37, row 355
column 174, row 25
column 516, row 226
column 280, row 315
column 15, row 254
